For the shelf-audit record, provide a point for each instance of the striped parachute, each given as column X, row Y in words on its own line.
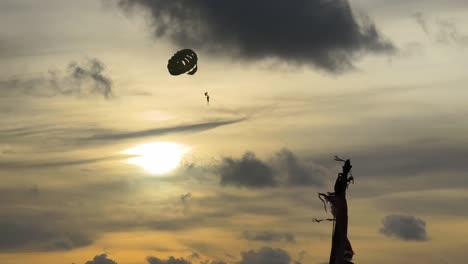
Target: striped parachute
column 183, row 61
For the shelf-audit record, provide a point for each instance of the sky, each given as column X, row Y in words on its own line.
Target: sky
column 107, row 158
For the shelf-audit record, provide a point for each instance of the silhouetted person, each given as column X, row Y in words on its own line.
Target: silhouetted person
column 207, row 98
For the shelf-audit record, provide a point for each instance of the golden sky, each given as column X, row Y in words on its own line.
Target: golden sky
column 292, row 83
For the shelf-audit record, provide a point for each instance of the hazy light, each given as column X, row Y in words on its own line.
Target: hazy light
column 157, row 157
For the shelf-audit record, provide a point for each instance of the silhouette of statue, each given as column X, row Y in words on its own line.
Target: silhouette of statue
column 207, row 98
column 341, row 251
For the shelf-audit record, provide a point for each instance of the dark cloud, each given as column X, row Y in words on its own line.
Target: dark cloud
column 101, row 259
column 326, row 34
column 284, row 169
column 268, row 236
column 163, row 131
column 265, row 255
column 79, row 79
column 247, row 171
column 404, row 227
column 170, row 260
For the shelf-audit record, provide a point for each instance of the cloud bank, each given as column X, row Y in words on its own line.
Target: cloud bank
column 265, row 255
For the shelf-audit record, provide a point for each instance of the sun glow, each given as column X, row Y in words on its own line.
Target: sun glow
column 157, row 157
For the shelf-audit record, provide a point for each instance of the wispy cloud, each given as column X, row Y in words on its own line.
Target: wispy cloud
column 51, row 163
column 191, row 128
column 268, row 236
column 442, row 30
column 78, row 79
column 65, row 138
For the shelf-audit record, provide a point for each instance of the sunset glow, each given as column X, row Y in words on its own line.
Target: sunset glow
column 157, row 157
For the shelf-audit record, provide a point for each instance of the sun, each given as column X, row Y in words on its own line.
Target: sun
column 157, row 157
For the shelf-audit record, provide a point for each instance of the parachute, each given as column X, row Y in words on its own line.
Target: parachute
column 183, row 61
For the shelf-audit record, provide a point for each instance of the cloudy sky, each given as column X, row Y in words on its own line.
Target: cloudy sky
column 106, row 158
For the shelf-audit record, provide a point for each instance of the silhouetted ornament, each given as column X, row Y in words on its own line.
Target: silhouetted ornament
column 184, row 61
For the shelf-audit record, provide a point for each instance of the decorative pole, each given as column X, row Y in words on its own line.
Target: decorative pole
column 341, row 251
